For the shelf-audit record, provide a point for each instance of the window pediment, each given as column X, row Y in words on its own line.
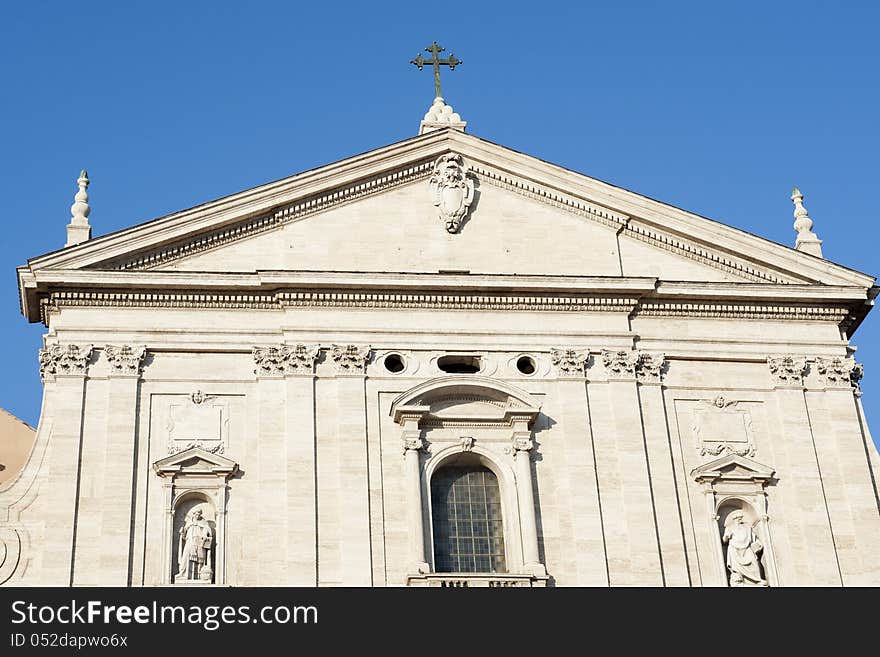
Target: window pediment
column 448, row 400
column 195, row 461
column 732, row 467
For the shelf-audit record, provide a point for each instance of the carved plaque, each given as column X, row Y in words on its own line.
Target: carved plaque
column 198, row 421
column 720, row 427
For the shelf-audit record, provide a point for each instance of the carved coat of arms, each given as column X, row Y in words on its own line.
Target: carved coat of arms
column 451, row 190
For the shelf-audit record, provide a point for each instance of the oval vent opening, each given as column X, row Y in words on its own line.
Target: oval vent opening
column 394, row 363
column 459, row 364
column 526, row 364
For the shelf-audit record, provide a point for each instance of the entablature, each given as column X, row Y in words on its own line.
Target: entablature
column 50, row 290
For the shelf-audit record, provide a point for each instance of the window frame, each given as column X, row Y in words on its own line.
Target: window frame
column 489, row 535
column 510, row 525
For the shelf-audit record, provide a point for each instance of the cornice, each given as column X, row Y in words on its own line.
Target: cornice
column 227, row 210
column 628, row 227
column 741, row 311
column 338, row 196
column 249, row 212
column 693, row 251
column 284, row 299
column 276, row 218
column 636, row 297
column 548, row 196
column 661, row 217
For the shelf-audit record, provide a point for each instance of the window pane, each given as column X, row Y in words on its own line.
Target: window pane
column 466, row 507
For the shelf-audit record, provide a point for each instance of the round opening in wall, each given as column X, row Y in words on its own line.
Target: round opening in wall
column 394, row 363
column 526, row 364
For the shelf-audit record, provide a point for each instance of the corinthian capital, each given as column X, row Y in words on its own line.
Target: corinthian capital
column 64, row 359
column 350, row 358
column 569, row 362
column 281, row 360
column 413, row 442
column 125, row 360
column 521, row 443
column 840, row 372
column 620, row 364
column 649, row 367
column 787, row 370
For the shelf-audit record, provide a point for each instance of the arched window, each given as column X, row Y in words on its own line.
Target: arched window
column 466, row 516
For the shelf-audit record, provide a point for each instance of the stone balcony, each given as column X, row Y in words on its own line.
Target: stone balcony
column 476, row 580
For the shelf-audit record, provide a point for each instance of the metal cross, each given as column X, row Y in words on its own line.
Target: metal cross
column 435, row 49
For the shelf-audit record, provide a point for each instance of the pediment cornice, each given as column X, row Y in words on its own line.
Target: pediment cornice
column 453, row 400
column 212, row 225
column 732, row 468
column 195, row 461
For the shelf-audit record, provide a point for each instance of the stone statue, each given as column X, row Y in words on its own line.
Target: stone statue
column 743, row 548
column 194, row 553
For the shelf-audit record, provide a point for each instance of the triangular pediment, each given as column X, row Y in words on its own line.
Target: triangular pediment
column 195, row 461
column 732, row 467
column 374, row 213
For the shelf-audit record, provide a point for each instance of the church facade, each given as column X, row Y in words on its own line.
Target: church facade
column 443, row 363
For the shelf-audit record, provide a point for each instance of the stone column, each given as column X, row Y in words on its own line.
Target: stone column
column 122, row 419
column 412, row 448
column 799, row 499
column 63, row 369
column 715, row 537
column 351, row 437
column 522, row 445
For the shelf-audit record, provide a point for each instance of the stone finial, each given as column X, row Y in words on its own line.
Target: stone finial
column 439, row 116
column 79, row 230
column 807, row 240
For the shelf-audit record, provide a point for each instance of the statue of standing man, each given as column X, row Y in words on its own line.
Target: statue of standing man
column 743, row 548
column 194, row 553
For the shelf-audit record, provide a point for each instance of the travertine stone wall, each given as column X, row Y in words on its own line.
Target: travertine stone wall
column 321, row 493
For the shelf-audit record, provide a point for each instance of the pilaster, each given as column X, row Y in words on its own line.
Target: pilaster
column 125, row 364
column 584, row 533
column 846, row 470
column 622, row 467
column 650, row 368
column 286, row 464
column 812, row 557
column 63, row 368
column 350, row 362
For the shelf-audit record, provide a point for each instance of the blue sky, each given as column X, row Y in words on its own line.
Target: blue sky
column 718, row 109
